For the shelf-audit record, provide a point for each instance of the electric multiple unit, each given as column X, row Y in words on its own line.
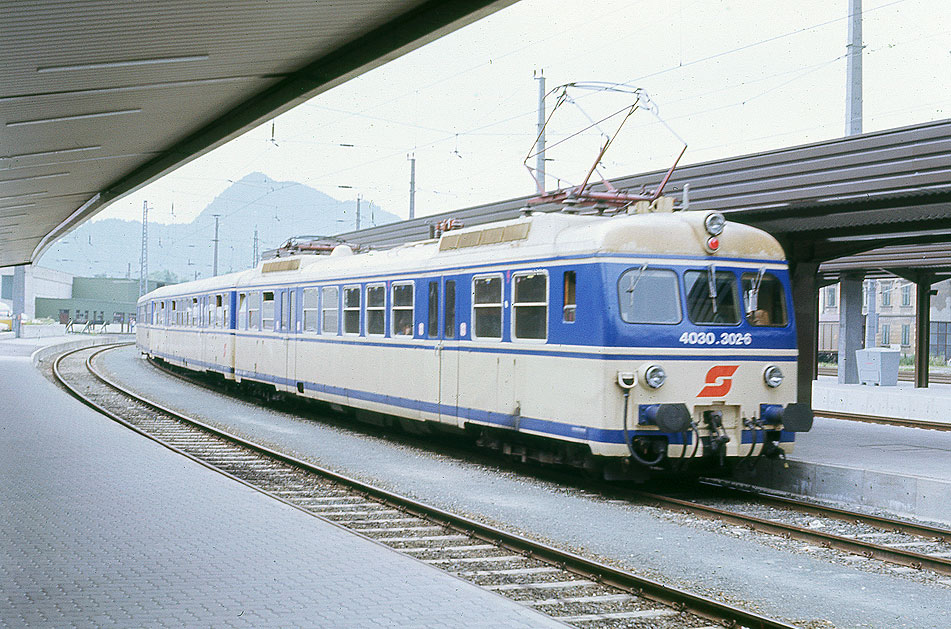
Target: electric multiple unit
column 626, row 343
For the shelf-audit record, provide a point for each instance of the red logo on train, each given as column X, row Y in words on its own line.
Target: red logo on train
column 719, row 381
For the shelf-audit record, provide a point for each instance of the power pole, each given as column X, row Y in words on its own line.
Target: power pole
column 540, row 156
column 214, row 272
column 254, row 254
column 144, row 259
column 358, row 212
column 412, row 187
column 853, row 84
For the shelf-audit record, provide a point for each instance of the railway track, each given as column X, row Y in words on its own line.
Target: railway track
column 899, row 542
column 567, row 586
column 879, row 538
column 904, row 376
column 888, row 421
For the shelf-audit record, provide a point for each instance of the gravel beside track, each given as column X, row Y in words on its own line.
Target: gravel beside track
column 894, row 541
column 813, row 586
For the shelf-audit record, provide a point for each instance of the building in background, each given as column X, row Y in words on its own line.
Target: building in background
column 896, row 318
column 95, row 299
column 40, row 282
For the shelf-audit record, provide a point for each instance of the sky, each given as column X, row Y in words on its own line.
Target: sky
column 729, row 77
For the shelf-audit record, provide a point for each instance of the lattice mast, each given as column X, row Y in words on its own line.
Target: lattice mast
column 144, row 257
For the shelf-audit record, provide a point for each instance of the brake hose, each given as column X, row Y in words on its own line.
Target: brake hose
column 753, row 424
column 696, row 444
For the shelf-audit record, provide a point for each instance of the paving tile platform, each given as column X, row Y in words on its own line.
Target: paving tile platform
column 101, row 527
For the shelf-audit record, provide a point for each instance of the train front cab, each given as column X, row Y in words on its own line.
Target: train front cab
column 717, row 382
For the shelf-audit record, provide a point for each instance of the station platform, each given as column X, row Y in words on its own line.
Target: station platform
column 903, row 401
column 906, row 471
column 100, row 527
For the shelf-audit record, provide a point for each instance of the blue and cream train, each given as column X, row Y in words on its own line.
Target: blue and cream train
column 630, row 342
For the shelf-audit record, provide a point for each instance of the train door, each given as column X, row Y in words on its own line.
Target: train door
column 448, row 355
column 230, row 324
column 289, row 336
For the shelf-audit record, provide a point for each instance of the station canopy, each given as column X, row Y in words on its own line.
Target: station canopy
column 99, row 98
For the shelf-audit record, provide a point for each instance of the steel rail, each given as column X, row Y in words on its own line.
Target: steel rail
column 889, row 554
column 888, row 421
column 845, row 515
column 599, row 572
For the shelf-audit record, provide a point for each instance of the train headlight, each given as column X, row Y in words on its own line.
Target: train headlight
column 773, row 376
column 714, row 223
column 655, row 376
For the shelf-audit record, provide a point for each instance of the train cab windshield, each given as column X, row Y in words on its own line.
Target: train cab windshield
column 647, row 295
column 765, row 299
column 711, row 297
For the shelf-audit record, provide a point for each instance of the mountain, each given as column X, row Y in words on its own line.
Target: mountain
column 279, row 210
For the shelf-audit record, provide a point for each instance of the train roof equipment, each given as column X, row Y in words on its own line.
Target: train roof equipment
column 584, row 195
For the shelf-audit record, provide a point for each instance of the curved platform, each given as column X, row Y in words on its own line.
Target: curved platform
column 100, row 527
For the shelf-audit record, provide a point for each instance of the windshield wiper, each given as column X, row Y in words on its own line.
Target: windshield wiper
column 712, row 287
column 752, row 295
column 634, row 281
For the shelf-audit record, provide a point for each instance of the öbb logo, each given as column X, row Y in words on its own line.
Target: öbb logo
column 719, row 381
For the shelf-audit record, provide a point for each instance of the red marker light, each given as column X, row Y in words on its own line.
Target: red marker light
column 713, row 243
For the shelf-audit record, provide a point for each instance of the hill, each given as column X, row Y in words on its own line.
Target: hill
column 279, row 210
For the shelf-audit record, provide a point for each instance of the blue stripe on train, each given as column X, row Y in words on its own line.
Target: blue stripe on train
column 516, row 351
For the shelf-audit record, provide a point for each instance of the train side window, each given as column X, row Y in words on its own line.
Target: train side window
column 267, row 311
column 711, row 297
column 351, row 310
column 173, row 315
column 403, row 309
column 243, row 311
column 764, row 298
column 432, row 328
column 310, row 310
column 194, row 313
column 530, row 305
column 376, row 308
column 449, row 326
column 220, row 312
column 280, row 311
column 569, row 304
column 487, row 307
column 647, row 295
column 225, row 320
column 330, row 303
column 254, row 311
